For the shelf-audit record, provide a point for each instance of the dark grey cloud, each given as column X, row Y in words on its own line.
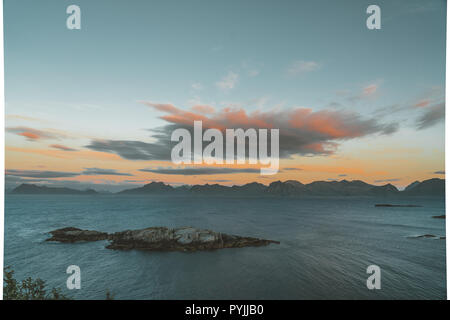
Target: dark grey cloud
column 302, row 132
column 428, row 105
column 292, row 169
column 190, row 171
column 432, row 116
column 320, row 133
column 14, row 180
column 390, row 128
column 99, row 171
column 439, row 172
column 334, row 104
column 40, row 174
column 60, row 174
column 135, row 150
column 390, row 109
column 342, row 175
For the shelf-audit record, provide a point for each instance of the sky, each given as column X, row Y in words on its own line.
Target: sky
column 95, row 107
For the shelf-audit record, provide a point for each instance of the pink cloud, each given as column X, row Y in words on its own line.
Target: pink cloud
column 370, row 90
column 302, row 130
column 35, row 134
column 203, row 109
column 61, row 147
column 422, row 103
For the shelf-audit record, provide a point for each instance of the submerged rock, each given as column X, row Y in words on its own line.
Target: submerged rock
column 439, row 217
column 427, row 236
column 432, row 236
column 160, row 239
column 397, row 205
column 71, row 234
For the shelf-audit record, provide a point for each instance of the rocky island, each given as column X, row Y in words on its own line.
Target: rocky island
column 428, row 236
column 397, row 205
column 159, row 239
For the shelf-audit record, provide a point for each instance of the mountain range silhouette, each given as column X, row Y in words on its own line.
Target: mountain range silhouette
column 289, row 188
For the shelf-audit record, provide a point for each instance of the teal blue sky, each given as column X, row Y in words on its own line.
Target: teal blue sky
column 254, row 55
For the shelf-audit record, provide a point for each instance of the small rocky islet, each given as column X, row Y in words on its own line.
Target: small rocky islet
column 160, row 239
column 428, row 236
column 397, row 205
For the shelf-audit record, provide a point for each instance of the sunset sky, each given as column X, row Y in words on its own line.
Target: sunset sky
column 95, row 107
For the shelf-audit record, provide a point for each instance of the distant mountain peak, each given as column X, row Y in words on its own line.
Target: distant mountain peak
column 430, row 187
column 290, row 188
column 412, row 185
column 26, row 188
column 152, row 187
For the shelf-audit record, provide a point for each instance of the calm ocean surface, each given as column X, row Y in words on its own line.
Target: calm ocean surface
column 326, row 246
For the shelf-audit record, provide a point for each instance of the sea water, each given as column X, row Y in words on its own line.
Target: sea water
column 326, row 245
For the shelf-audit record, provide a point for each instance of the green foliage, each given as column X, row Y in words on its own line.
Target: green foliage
column 28, row 289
